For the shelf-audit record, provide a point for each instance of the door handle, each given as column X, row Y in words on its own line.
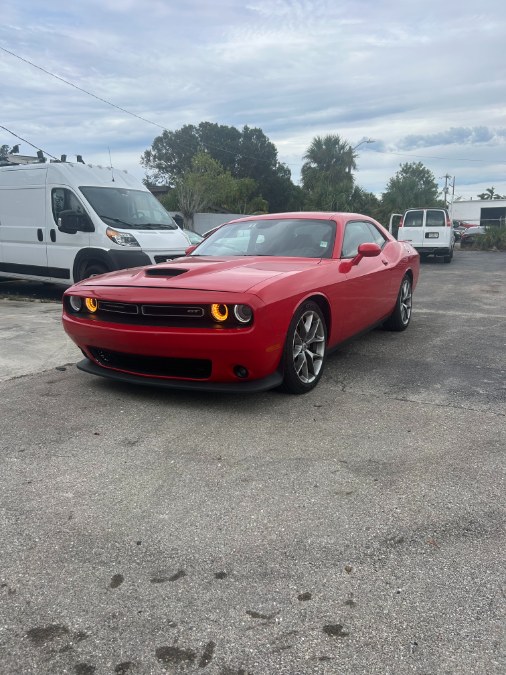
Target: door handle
column 52, row 234
column 40, row 234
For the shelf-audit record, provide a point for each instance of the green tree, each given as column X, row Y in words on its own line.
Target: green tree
column 413, row 185
column 245, row 154
column 206, row 185
column 490, row 193
column 327, row 178
column 365, row 202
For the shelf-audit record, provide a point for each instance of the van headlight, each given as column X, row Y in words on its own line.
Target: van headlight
column 121, row 238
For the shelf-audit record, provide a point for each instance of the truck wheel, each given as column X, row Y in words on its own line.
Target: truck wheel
column 448, row 258
column 92, row 269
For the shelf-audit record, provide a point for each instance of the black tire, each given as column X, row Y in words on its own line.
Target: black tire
column 448, row 258
column 424, row 256
column 305, row 350
column 401, row 316
column 92, row 269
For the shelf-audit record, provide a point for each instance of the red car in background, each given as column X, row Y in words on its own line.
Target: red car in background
column 259, row 304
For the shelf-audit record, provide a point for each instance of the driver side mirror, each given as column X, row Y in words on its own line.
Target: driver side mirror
column 367, row 250
column 71, row 222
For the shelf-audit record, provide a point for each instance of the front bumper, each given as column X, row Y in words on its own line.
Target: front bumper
column 239, row 386
column 435, row 250
column 244, row 359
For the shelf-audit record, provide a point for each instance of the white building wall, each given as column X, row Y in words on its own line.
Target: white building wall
column 470, row 211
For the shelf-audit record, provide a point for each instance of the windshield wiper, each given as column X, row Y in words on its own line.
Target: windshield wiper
column 116, row 220
column 156, row 226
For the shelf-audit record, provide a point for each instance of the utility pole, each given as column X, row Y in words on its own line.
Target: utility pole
column 446, row 188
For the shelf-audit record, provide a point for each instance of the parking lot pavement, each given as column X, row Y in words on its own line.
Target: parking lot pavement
column 358, row 529
column 31, row 338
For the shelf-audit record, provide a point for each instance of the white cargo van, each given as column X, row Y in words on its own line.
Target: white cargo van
column 62, row 222
column 428, row 230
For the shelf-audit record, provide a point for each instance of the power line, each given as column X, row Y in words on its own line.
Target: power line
column 209, row 145
column 89, row 93
column 128, row 112
column 25, row 141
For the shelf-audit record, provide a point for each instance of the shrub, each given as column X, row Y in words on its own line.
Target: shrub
column 494, row 237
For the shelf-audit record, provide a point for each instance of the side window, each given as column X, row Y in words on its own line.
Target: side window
column 377, row 236
column 435, row 218
column 413, row 219
column 63, row 199
column 356, row 232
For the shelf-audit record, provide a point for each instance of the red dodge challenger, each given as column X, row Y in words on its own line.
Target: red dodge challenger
column 259, row 304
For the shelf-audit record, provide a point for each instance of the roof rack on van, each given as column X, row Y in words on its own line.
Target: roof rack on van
column 13, row 159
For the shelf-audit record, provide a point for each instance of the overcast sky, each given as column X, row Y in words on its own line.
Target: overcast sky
column 425, row 80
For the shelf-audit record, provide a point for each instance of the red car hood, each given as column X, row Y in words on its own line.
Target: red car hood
column 235, row 274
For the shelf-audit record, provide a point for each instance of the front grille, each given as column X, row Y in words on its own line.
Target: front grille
column 131, row 309
column 190, row 311
column 195, row 369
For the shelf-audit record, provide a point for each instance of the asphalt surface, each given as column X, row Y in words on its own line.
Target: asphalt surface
column 357, row 529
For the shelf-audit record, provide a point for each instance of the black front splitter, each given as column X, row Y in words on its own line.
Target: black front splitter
column 241, row 387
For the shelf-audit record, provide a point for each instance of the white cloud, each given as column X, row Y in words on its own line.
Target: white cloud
column 423, row 80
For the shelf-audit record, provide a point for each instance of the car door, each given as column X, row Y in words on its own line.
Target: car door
column 436, row 229
column 62, row 247
column 369, row 293
column 411, row 228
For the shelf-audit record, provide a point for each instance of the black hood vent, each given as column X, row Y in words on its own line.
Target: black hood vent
column 164, row 272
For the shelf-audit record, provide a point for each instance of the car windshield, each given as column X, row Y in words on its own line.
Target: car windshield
column 286, row 237
column 128, row 209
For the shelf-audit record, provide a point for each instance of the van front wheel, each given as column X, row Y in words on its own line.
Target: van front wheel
column 92, row 269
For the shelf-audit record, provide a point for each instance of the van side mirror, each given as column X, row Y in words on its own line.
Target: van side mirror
column 71, row 222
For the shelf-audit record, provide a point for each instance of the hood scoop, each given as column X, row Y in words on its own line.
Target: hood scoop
column 164, row 272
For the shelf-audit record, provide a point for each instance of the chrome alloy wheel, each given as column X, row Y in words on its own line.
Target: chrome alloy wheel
column 308, row 346
column 405, row 301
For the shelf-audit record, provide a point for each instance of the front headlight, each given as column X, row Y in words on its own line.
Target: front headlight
column 121, row 238
column 243, row 313
column 231, row 315
column 75, row 302
column 219, row 312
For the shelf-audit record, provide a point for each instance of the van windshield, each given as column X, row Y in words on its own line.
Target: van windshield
column 128, row 209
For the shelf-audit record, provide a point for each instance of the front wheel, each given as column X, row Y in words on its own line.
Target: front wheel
column 92, row 269
column 304, row 351
column 401, row 316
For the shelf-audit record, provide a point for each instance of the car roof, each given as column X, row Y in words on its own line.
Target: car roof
column 313, row 215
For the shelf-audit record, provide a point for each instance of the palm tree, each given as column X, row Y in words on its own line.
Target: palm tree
column 490, row 193
column 327, row 171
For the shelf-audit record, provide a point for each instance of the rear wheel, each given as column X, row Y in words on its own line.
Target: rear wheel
column 448, row 258
column 401, row 316
column 304, row 351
